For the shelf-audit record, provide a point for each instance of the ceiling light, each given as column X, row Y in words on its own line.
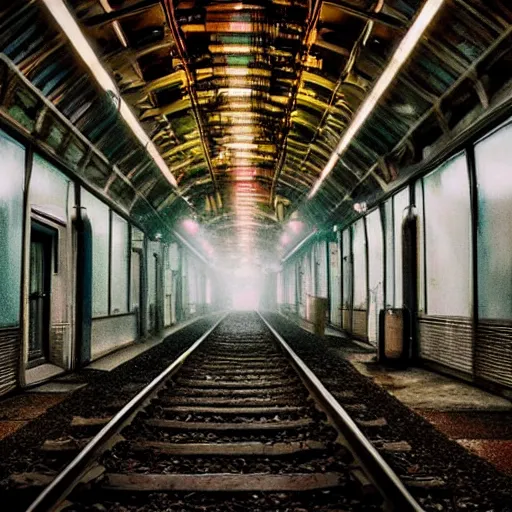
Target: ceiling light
column 232, row 48
column 234, row 91
column 403, row 51
column 68, row 25
column 191, row 226
column 241, row 136
column 232, row 71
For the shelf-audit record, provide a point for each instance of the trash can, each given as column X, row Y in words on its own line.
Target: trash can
column 393, row 336
column 317, row 309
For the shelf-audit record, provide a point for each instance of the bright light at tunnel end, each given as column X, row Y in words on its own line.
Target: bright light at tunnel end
column 244, row 286
column 404, row 50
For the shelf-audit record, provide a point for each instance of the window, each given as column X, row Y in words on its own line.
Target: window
column 448, row 239
column 390, row 253
column 12, row 172
column 400, row 203
column 494, row 176
column 48, row 189
column 347, row 270
column 360, row 281
column 98, row 214
column 119, row 265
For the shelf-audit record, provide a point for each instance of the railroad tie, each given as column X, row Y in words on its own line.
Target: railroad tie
column 229, row 449
column 223, row 482
column 226, row 426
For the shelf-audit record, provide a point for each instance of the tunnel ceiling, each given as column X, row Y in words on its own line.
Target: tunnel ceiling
column 246, row 101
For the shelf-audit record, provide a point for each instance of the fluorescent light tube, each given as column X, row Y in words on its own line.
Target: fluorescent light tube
column 402, row 53
column 69, row 26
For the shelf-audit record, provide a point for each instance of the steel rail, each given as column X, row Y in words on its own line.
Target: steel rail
column 383, row 477
column 60, row 487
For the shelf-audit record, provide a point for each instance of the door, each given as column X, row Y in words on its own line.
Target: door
column 136, row 288
column 410, row 280
column 335, row 284
column 41, row 244
column 375, row 274
column 168, row 297
column 174, row 296
column 159, row 294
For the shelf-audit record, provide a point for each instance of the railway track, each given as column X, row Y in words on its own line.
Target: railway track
column 238, row 422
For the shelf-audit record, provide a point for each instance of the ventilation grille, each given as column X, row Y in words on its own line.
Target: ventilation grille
column 10, row 342
column 447, row 340
column 494, row 352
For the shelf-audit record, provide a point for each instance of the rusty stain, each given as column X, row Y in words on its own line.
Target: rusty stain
column 496, row 451
column 8, row 428
column 486, row 434
column 29, row 406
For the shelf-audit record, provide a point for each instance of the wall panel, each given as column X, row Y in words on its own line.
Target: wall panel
column 12, row 173
column 448, row 239
column 375, row 273
column 110, row 333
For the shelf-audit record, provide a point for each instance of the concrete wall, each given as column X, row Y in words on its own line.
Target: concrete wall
column 110, row 333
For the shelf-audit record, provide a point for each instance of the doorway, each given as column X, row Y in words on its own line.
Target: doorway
column 137, row 299
column 42, row 240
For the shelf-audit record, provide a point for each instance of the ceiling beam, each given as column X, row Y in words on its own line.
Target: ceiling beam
column 119, row 14
column 379, row 17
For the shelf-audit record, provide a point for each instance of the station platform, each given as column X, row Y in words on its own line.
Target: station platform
column 476, row 419
column 54, row 387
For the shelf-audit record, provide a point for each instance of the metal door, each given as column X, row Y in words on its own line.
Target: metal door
column 159, row 294
column 375, row 274
column 136, row 288
column 335, row 283
column 39, row 295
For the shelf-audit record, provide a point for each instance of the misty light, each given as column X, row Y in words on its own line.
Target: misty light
column 245, row 287
column 191, row 226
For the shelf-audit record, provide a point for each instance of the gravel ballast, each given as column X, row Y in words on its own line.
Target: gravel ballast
column 21, row 453
column 460, row 480
column 470, row 483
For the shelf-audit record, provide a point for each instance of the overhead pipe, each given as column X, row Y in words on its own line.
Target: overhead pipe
column 190, row 247
column 298, row 246
column 363, row 37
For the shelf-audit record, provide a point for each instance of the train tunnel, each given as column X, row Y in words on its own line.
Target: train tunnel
column 340, row 165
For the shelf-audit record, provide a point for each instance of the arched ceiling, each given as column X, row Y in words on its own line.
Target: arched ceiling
column 246, row 101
